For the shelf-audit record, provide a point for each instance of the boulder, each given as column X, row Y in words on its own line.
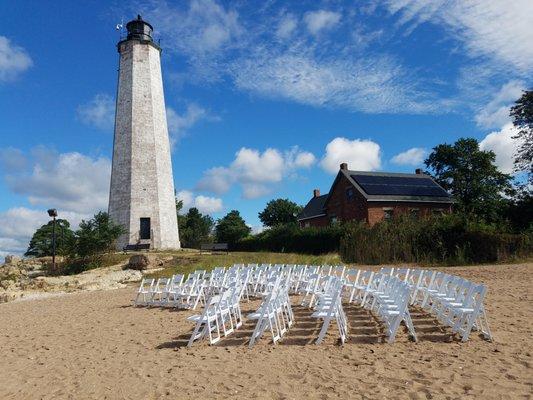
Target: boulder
column 11, row 259
column 142, row 262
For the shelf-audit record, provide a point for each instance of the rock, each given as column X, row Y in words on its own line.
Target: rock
column 141, row 262
column 11, row 259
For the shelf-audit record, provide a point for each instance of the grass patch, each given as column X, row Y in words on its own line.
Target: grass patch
column 186, row 262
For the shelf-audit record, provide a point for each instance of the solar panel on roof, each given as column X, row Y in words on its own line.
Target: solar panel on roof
column 399, row 186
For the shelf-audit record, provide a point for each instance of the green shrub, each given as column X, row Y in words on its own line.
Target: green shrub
column 450, row 239
column 292, row 239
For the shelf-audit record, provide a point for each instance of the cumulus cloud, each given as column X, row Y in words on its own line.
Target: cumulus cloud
column 98, row 112
column 204, row 204
column 414, row 156
column 496, row 113
column 67, row 181
column 256, row 171
column 361, row 155
column 503, row 145
column 14, row 60
column 21, row 223
column 319, row 20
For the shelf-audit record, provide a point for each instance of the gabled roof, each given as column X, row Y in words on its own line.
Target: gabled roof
column 314, row 208
column 391, row 186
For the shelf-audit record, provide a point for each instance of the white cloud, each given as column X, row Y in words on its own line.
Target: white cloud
column 66, row 181
column 12, row 160
column 372, row 84
column 361, row 155
column 256, row 172
column 14, row 60
column 503, row 145
column 20, row 223
column 286, row 26
column 204, row 204
column 208, row 204
column 307, row 69
column 98, row 112
column 179, row 124
column 500, row 30
column 204, row 29
column 496, row 113
column 319, row 20
column 414, row 156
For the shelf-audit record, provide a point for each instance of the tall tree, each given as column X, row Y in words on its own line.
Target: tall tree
column 279, row 212
column 231, row 228
column 41, row 242
column 196, row 229
column 522, row 114
column 97, row 235
column 471, row 176
column 182, row 219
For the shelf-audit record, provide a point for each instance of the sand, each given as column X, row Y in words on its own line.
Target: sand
column 96, row 345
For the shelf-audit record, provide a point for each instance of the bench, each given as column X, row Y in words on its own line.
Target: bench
column 136, row 247
column 214, row 247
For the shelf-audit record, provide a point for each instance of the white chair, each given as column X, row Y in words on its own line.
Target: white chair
column 207, row 323
column 158, row 295
column 145, row 290
column 329, row 306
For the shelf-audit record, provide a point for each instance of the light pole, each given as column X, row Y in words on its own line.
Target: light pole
column 53, row 213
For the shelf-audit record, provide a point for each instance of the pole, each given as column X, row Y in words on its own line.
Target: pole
column 54, row 245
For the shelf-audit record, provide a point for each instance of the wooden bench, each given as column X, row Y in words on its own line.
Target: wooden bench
column 214, row 247
column 136, row 247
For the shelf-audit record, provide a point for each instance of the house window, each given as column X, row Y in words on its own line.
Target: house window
column 349, row 194
column 388, row 213
column 437, row 212
column 307, row 225
column 414, row 213
column 333, row 220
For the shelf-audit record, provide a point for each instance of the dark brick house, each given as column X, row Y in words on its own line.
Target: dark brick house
column 375, row 196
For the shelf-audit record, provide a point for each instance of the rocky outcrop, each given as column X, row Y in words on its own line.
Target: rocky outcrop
column 23, row 278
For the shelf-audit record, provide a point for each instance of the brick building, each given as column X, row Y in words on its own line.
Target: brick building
column 375, row 196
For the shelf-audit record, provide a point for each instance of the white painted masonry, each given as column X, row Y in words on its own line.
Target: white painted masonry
column 142, row 185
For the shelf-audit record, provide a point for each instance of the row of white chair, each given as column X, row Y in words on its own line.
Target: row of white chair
column 454, row 301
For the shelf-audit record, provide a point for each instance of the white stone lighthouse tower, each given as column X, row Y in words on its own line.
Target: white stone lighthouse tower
column 141, row 196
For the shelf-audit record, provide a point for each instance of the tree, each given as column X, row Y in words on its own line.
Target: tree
column 279, row 212
column 41, row 241
column 522, row 114
column 471, row 176
column 196, row 229
column 231, row 228
column 97, row 235
column 182, row 219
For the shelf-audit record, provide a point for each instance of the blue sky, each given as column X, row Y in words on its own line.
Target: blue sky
column 264, row 100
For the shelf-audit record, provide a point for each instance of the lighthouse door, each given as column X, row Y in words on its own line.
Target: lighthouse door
column 145, row 229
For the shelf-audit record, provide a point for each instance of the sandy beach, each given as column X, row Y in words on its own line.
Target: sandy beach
column 96, row 345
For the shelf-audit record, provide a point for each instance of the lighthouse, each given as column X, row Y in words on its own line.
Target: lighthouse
column 141, row 196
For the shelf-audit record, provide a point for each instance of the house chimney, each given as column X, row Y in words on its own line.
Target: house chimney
column 344, row 166
column 316, row 192
column 418, row 171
